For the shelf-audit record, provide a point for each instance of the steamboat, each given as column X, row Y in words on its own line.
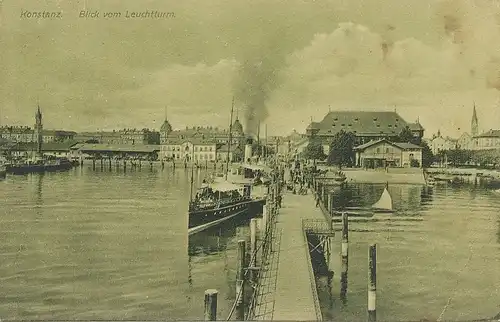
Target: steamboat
column 222, row 198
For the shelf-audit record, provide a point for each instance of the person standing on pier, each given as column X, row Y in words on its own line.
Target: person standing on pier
column 316, row 196
column 278, row 200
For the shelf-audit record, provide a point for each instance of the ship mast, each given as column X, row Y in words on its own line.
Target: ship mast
column 230, row 138
column 192, row 183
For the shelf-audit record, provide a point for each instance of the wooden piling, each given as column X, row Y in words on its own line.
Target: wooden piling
column 264, row 220
column 329, row 204
column 162, row 164
column 124, row 165
column 253, row 248
column 240, row 282
column 344, row 256
column 372, row 283
column 109, row 163
column 93, row 164
column 211, row 305
column 102, row 163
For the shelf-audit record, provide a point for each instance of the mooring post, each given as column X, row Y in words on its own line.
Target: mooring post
column 253, row 247
column 329, row 205
column 345, row 256
column 264, row 220
column 240, row 282
column 93, row 164
column 372, row 283
column 211, row 305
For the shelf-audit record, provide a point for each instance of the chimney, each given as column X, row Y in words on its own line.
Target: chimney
column 248, row 150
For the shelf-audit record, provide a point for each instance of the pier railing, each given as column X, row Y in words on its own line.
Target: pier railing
column 260, row 275
column 311, row 226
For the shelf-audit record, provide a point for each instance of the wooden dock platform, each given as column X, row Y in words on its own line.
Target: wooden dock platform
column 295, row 296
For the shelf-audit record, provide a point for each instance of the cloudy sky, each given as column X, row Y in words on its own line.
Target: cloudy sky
column 283, row 61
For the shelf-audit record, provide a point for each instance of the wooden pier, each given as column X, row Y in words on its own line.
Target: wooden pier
column 295, row 296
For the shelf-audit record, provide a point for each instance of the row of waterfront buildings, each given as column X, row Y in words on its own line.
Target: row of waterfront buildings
column 375, row 134
column 475, row 140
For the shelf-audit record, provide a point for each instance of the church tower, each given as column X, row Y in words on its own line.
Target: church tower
column 38, row 131
column 474, row 124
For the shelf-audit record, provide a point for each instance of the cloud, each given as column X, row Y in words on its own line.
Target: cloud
column 354, row 67
column 417, row 56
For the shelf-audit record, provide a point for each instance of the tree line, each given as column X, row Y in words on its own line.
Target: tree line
column 341, row 152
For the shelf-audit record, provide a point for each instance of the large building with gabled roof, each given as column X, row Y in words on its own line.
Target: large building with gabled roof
column 366, row 126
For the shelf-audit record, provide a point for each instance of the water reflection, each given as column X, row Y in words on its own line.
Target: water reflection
column 421, row 262
column 406, row 198
column 215, row 239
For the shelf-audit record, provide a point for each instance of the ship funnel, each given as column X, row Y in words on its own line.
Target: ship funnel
column 248, row 150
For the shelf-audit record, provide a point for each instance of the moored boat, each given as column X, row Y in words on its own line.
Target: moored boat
column 220, row 200
column 40, row 166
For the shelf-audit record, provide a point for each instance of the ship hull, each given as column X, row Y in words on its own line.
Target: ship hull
column 205, row 216
column 38, row 168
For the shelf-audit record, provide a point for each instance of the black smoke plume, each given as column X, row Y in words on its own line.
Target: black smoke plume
column 258, row 76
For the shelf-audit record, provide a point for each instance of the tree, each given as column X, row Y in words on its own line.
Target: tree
column 406, row 135
column 427, row 155
column 341, row 149
column 314, row 150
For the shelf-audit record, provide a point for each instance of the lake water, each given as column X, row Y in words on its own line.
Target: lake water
column 445, row 267
column 108, row 245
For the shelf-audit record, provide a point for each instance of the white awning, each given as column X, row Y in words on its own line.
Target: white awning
column 225, row 186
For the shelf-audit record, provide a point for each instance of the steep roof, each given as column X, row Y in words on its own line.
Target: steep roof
column 90, row 147
column 192, row 140
column 51, row 146
column 166, row 127
column 401, row 145
column 237, row 127
column 361, row 123
column 416, row 126
column 490, row 134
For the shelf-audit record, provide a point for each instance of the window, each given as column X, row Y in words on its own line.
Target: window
column 374, row 119
column 343, row 124
column 386, row 150
column 378, row 150
column 378, row 125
